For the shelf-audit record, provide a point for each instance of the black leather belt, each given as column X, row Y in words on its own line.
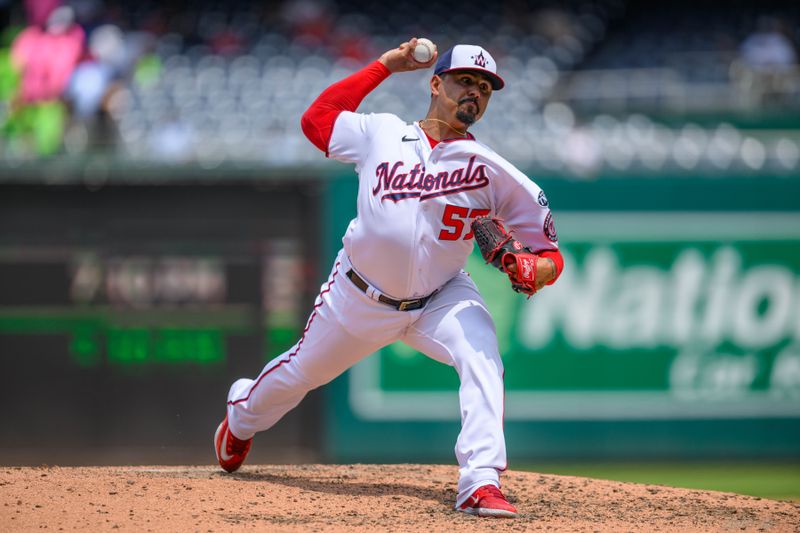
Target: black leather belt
column 400, row 305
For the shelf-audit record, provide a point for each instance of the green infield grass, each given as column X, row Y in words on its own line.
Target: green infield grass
column 779, row 481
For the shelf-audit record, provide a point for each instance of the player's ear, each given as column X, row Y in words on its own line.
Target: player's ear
column 436, row 85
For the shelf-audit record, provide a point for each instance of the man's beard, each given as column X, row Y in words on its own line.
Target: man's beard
column 467, row 117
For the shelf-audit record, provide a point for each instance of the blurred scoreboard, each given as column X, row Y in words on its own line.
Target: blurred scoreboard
column 127, row 312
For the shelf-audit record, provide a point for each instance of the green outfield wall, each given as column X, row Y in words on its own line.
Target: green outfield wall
column 673, row 332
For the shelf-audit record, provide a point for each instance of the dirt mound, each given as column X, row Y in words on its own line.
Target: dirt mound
column 357, row 498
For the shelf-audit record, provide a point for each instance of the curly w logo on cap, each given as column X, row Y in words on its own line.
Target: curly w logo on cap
column 470, row 57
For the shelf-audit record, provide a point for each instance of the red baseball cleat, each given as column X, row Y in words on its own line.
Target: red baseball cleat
column 488, row 501
column 231, row 451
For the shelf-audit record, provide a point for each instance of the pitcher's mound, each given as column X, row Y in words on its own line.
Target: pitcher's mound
column 353, row 498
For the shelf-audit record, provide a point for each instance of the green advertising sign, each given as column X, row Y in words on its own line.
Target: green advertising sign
column 658, row 315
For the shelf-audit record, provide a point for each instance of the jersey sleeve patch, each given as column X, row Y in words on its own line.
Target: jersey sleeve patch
column 542, row 199
column 550, row 228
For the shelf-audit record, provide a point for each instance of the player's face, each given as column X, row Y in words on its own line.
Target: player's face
column 465, row 96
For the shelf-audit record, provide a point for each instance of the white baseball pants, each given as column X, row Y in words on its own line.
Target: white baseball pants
column 346, row 325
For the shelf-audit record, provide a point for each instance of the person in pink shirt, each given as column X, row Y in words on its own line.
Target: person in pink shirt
column 45, row 58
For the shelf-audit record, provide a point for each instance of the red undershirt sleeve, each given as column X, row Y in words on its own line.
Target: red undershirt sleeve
column 557, row 258
column 345, row 95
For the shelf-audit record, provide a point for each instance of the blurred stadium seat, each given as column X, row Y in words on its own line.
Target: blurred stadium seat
column 597, row 87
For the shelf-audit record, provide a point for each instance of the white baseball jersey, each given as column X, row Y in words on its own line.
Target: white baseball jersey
column 415, row 204
column 410, row 238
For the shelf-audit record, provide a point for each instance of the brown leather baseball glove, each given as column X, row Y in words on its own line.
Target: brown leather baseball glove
column 502, row 250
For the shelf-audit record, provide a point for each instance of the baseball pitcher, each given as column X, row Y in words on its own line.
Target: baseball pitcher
column 426, row 191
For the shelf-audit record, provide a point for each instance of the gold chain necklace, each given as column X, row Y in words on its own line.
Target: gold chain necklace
column 462, row 133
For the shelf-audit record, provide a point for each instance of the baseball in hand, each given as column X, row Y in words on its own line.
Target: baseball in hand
column 424, row 50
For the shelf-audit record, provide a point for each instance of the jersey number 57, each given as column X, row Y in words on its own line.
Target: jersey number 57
column 454, row 219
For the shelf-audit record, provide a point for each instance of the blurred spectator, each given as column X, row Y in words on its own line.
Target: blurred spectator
column 768, row 48
column 39, row 11
column 9, row 76
column 310, row 21
column 45, row 58
column 93, row 76
column 93, row 81
column 226, row 41
column 148, row 70
column 351, row 42
column 553, row 24
column 767, row 69
column 109, row 64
